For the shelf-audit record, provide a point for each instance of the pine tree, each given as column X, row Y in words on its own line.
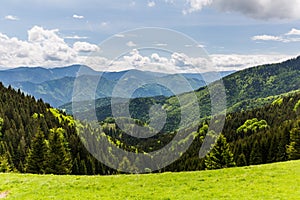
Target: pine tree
column 241, row 161
column 256, row 155
column 36, row 156
column 220, row 156
column 293, row 149
column 4, row 164
column 58, row 159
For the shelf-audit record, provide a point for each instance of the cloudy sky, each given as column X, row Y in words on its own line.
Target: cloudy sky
column 235, row 34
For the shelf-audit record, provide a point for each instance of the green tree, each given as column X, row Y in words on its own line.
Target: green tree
column 256, row 154
column 58, row 156
column 220, row 156
column 4, row 164
column 36, row 156
column 293, row 149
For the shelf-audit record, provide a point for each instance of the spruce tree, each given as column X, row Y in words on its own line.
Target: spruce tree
column 256, row 154
column 58, row 156
column 293, row 149
column 36, row 156
column 4, row 164
column 220, row 156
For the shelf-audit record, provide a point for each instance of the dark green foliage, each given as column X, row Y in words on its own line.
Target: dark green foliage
column 58, row 158
column 35, row 162
column 293, row 149
column 220, row 156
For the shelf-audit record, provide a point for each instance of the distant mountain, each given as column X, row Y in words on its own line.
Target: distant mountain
column 55, row 85
column 246, row 89
column 39, row 74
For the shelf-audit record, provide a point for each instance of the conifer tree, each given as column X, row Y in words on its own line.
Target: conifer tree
column 256, row 154
column 58, row 158
column 220, row 156
column 36, row 156
column 293, row 149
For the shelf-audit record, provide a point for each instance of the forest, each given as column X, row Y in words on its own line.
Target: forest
column 36, row 138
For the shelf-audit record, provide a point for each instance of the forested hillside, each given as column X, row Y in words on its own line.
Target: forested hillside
column 36, row 138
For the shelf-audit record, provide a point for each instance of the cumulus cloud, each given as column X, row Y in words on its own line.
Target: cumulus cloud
column 238, row 61
column 196, row 5
column 42, row 48
column 151, row 4
column 11, row 17
column 131, row 44
column 293, row 32
column 78, row 16
column 85, row 47
column 267, row 38
column 259, row 9
column 287, row 37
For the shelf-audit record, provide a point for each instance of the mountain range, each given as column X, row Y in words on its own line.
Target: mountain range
column 247, row 89
column 55, row 85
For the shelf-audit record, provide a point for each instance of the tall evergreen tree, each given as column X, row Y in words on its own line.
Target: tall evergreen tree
column 256, row 154
column 58, row 156
column 220, row 156
column 36, row 156
column 293, row 149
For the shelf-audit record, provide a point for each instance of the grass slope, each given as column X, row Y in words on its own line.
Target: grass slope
column 274, row 181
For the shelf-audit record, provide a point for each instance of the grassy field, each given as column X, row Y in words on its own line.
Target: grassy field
column 274, row 181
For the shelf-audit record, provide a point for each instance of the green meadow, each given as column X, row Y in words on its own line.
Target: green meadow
column 273, row 181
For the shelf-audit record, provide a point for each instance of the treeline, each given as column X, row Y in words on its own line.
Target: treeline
column 35, row 138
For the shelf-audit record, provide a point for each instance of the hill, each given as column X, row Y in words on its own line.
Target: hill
column 273, row 181
column 246, row 89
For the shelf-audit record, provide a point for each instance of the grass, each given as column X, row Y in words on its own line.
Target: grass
column 273, row 181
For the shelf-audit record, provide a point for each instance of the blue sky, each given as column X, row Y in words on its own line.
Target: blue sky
column 236, row 34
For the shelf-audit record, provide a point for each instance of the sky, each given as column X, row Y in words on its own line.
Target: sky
column 233, row 34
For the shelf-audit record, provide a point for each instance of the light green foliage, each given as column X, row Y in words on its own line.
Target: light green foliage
column 56, row 113
column 4, row 164
column 37, row 115
column 275, row 181
column 297, row 106
column 278, row 101
column 253, row 125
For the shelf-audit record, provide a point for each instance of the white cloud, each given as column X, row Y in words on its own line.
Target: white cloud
column 287, row 37
column 161, row 44
column 119, row 35
column 267, row 38
column 85, row 47
column 78, row 16
column 136, row 60
column 131, row 44
column 46, row 48
column 11, row 17
column 76, row 37
column 42, row 48
column 259, row 9
column 293, row 32
column 238, row 61
column 196, row 5
column 151, row 4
